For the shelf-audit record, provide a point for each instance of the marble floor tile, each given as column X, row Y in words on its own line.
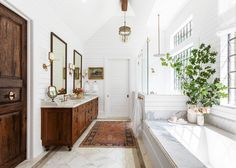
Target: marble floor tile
column 81, row 157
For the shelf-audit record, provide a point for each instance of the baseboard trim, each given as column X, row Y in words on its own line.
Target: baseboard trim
column 45, row 158
column 140, row 156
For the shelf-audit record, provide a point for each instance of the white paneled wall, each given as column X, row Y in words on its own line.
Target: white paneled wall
column 43, row 20
column 96, row 62
column 106, row 44
column 163, row 106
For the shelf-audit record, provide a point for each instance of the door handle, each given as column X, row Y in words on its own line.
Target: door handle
column 127, row 95
column 11, row 95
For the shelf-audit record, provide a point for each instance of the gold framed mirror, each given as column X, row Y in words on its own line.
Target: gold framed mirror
column 77, row 83
column 59, row 65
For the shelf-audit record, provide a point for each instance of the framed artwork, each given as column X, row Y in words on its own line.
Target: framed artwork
column 95, row 73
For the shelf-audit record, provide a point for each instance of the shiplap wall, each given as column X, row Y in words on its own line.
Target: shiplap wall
column 43, row 21
column 106, row 44
column 96, row 62
column 163, row 106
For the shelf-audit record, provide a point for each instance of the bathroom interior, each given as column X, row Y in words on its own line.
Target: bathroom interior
column 117, row 84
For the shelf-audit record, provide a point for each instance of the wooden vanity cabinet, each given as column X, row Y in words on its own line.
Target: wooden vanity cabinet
column 63, row 126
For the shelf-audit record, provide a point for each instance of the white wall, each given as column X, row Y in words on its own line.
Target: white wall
column 43, row 21
column 209, row 18
column 164, row 106
column 106, row 43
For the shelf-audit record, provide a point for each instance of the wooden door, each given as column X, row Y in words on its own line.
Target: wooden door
column 13, row 85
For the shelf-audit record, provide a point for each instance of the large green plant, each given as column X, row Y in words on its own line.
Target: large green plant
column 196, row 77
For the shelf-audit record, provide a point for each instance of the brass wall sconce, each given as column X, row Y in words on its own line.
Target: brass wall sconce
column 51, row 58
column 71, row 68
column 85, row 73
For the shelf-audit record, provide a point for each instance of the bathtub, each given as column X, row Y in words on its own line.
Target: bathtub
column 188, row 146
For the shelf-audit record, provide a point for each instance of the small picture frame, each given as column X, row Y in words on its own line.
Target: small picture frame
column 95, row 73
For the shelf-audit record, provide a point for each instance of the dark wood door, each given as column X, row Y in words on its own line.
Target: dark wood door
column 13, row 97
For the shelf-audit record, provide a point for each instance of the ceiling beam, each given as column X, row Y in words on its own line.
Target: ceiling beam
column 124, row 5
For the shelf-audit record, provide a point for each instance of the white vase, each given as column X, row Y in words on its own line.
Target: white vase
column 200, row 119
column 192, row 116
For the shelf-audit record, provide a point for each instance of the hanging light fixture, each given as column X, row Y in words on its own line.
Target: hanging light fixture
column 159, row 54
column 124, row 31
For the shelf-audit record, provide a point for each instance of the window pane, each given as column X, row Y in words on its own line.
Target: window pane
column 184, row 33
column 232, row 63
column 232, row 80
column 232, row 96
column 232, row 47
column 232, row 35
column 232, row 68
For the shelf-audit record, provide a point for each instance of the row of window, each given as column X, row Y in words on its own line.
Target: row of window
column 183, row 34
column 186, row 32
column 232, row 68
column 184, row 58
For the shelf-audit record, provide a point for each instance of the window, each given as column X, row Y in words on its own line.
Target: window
column 183, row 34
column 184, row 57
column 232, row 68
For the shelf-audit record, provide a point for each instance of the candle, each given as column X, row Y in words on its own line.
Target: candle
column 51, row 56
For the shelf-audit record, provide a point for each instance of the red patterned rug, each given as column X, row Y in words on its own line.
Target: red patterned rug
column 110, row 134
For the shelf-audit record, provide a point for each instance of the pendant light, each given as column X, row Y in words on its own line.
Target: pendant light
column 124, row 31
column 159, row 54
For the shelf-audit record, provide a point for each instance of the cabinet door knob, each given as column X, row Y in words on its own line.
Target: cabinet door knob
column 11, row 95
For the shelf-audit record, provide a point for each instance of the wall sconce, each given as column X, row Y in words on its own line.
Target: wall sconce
column 85, row 73
column 71, row 68
column 51, row 58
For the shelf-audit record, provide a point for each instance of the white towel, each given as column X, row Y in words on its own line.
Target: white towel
column 137, row 116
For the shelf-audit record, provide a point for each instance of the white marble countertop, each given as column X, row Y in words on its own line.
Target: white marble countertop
column 192, row 146
column 69, row 103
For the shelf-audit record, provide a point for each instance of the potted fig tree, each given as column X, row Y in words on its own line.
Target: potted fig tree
column 198, row 81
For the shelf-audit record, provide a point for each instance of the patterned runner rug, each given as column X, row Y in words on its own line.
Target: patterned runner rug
column 110, row 134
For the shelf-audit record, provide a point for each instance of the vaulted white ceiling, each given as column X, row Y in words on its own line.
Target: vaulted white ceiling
column 86, row 17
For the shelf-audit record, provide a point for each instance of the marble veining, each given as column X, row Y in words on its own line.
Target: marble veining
column 195, row 146
column 81, row 157
column 69, row 103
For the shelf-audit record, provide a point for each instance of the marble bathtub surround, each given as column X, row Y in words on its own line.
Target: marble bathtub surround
column 193, row 146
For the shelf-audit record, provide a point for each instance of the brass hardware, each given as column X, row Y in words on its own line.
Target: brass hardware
column 51, row 59
column 11, row 95
column 139, row 97
column 71, row 68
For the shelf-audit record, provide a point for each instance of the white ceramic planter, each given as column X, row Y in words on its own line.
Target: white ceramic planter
column 192, row 116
